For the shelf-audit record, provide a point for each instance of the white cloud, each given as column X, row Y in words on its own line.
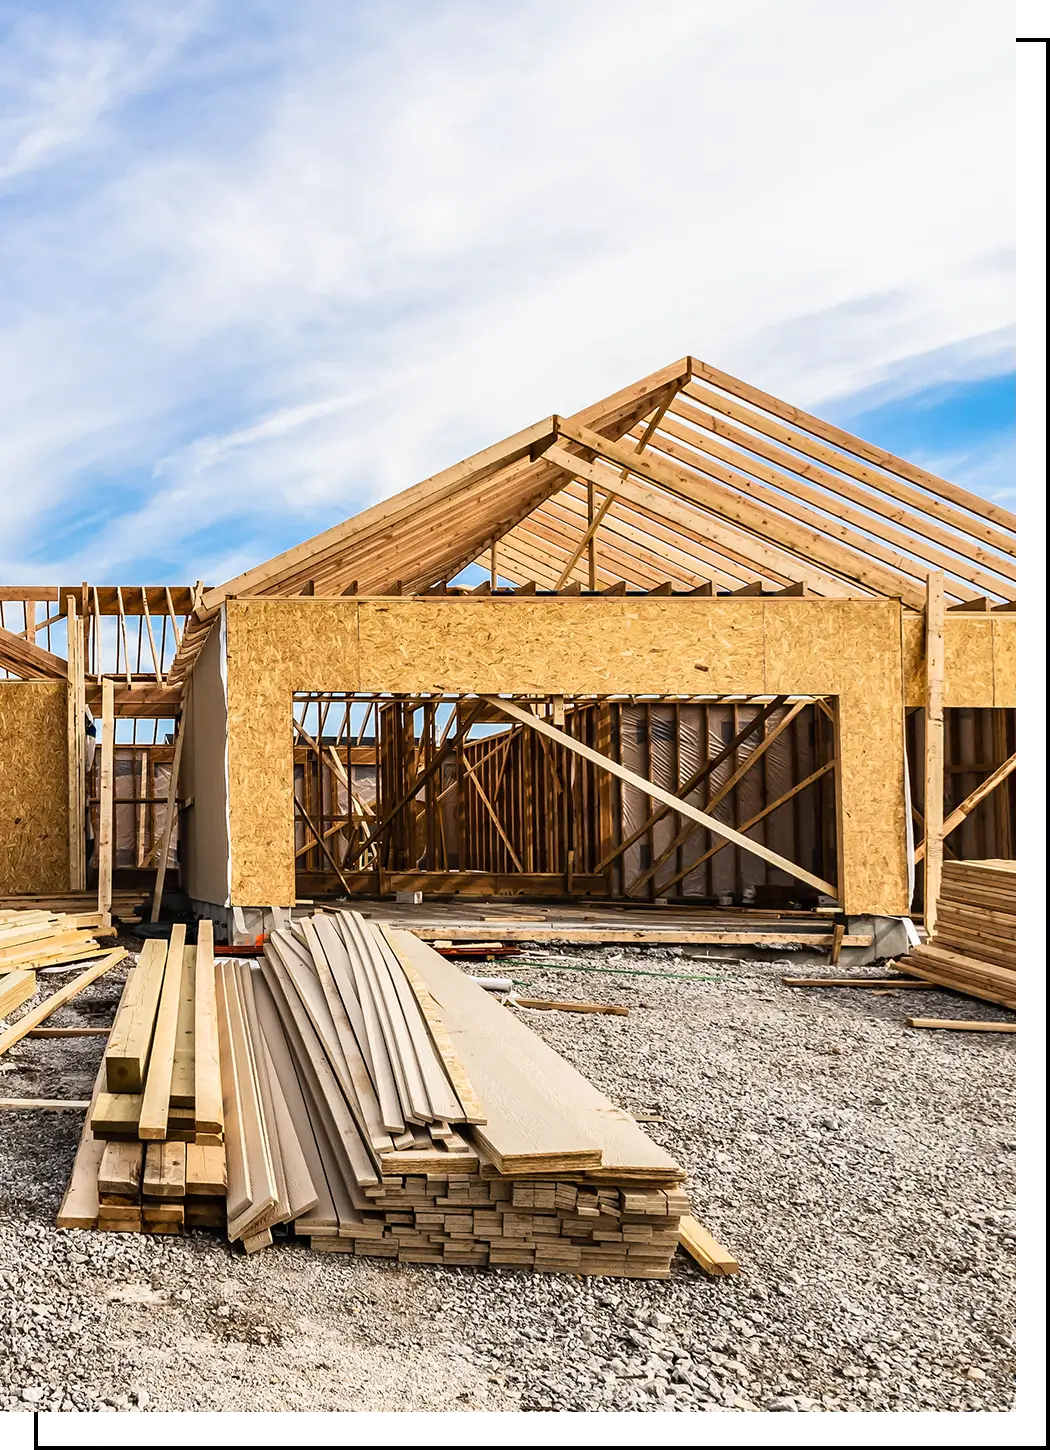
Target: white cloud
column 274, row 263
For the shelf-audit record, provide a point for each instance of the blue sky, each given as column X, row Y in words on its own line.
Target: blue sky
column 263, row 264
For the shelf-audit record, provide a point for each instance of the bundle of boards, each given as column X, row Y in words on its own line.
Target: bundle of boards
column 49, row 938
column 385, row 1105
column 152, row 1155
column 974, row 944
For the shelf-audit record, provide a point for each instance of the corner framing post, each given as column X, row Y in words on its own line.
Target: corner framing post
column 105, row 806
column 75, row 723
column 934, row 789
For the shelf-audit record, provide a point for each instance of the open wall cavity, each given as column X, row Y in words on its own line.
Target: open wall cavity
column 446, row 795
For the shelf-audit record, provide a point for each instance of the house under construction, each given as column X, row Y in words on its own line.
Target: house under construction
column 726, row 659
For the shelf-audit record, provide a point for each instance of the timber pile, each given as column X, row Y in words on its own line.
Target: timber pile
column 974, row 944
column 152, row 1155
column 42, row 938
column 378, row 1102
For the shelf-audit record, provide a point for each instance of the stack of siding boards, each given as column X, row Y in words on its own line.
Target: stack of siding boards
column 435, row 1127
column 974, row 943
column 152, row 1156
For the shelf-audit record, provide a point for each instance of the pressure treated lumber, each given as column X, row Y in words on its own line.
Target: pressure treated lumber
column 26, row 1024
column 156, row 1096
column 127, row 1051
column 683, row 808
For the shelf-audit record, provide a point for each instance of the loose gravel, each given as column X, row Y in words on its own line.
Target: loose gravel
column 861, row 1171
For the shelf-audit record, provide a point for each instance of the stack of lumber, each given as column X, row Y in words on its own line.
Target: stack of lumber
column 39, row 938
column 152, row 1156
column 378, row 1102
column 974, row 944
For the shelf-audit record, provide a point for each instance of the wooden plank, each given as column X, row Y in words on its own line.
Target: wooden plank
column 948, row 1025
column 933, row 796
column 105, row 809
column 164, row 1175
column 28, row 660
column 206, row 1169
column 238, row 1174
column 50, row 1105
column 17, row 1030
column 473, row 1109
column 683, row 808
column 79, row 1206
column 182, row 1068
column 120, row 1171
column 538, row 1004
column 207, row 1073
column 16, row 988
column 443, row 1102
column 69, row 1032
column 261, row 1179
column 705, row 1249
column 153, row 1120
column 127, row 1051
column 851, row 982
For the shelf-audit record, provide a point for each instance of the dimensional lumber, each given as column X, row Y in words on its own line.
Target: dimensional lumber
column 706, row 1250
column 41, row 1013
column 949, row 1025
column 973, row 948
column 127, row 1051
column 972, row 801
column 156, row 1096
column 933, row 794
column 16, row 988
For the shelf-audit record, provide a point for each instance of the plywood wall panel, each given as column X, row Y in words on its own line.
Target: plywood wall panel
column 969, row 676
column 34, row 785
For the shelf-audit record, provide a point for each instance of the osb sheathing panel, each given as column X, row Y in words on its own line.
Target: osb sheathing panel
column 1004, row 660
column 848, row 648
column 274, row 648
column 979, row 660
column 34, row 852
column 566, row 646
column 852, row 649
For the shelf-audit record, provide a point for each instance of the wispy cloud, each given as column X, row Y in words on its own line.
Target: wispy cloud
column 268, row 263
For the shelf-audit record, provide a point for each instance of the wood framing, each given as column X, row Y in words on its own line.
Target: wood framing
column 934, row 791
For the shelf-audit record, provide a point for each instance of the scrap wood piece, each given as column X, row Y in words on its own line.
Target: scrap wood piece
column 50, row 1105
column 705, row 1249
column 79, row 1206
column 541, row 1004
column 853, row 982
column 948, row 1024
column 14, row 1034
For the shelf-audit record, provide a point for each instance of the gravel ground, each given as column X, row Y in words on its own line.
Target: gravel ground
column 861, row 1171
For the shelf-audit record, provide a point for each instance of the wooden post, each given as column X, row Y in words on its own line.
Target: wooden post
column 592, row 549
column 170, row 813
column 105, row 807
column 934, row 790
column 75, row 725
column 493, row 564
